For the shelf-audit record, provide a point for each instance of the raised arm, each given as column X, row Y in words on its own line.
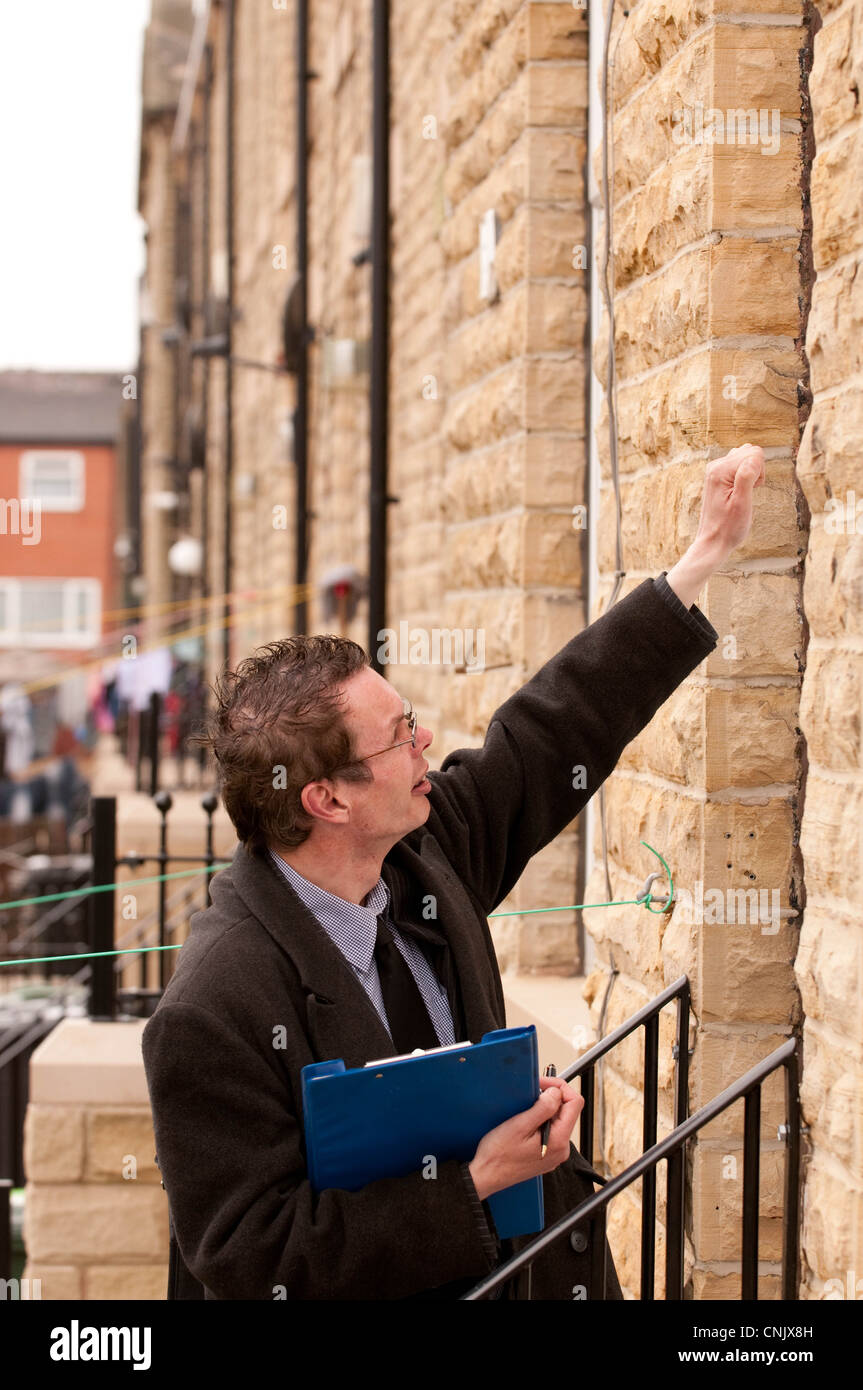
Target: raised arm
column 551, row 745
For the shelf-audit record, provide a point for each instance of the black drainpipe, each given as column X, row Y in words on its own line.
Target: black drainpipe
column 301, row 542
column 229, row 327
column 581, row 861
column 134, row 486
column 378, row 497
column 207, row 327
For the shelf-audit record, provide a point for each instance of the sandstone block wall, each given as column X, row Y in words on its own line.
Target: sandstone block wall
column 488, row 442
column 96, row 1217
column 157, row 363
column 829, row 964
column 709, row 291
column 487, row 427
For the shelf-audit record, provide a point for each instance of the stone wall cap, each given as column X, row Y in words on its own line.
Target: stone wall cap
column 85, row 1061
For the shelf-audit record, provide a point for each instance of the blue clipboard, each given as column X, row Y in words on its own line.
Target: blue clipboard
column 385, row 1120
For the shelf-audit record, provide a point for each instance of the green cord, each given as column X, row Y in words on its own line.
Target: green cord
column 106, row 887
column 140, row 950
column 623, row 902
column 88, row 955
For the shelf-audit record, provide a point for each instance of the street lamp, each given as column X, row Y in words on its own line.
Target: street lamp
column 185, row 556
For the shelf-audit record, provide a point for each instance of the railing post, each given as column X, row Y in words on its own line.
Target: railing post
column 681, row 1057
column 648, row 1181
column 164, row 801
column 585, row 1133
column 21, row 1085
column 751, row 1143
column 143, row 959
column 674, row 1221
column 5, row 1229
column 675, row 1170
column 791, row 1222
column 6, row 1108
column 139, row 748
column 598, row 1254
column 209, row 803
column 104, row 844
column 153, row 731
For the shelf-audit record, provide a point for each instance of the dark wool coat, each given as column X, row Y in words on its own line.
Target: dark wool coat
column 260, row 990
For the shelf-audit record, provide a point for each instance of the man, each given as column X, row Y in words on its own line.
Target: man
column 353, row 923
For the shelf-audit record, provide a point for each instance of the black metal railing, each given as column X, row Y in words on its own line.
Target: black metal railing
column 59, row 929
column 106, row 861
column 584, row 1069
column 18, row 1041
column 5, row 1228
column 32, row 940
column 19, row 1038
column 23, row 1031
column 673, row 1148
column 96, row 933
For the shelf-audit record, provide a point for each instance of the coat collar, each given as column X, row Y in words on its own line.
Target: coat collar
column 358, row 922
column 343, row 1021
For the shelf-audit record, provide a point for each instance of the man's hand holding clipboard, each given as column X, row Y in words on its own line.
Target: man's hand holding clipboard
column 512, row 1152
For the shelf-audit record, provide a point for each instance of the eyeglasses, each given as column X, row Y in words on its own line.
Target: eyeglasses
column 411, row 717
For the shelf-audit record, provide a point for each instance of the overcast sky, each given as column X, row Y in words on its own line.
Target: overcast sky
column 71, row 244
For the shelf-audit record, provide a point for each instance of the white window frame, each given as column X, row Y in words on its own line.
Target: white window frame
column 75, row 460
column 12, row 634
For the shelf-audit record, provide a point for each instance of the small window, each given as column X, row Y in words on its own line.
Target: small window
column 41, row 608
column 55, row 476
column 49, row 613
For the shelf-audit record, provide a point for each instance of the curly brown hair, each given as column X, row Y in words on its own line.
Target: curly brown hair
column 277, row 725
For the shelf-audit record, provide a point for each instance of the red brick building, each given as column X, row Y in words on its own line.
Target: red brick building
column 60, row 516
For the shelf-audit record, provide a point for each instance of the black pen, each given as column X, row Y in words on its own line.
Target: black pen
column 551, row 1070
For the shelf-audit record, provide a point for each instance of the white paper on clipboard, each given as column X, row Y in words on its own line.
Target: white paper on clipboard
column 418, row 1052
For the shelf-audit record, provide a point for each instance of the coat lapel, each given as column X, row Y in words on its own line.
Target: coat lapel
column 342, row 1020
column 412, row 879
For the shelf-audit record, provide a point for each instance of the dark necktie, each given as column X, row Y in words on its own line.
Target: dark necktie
column 410, row 1025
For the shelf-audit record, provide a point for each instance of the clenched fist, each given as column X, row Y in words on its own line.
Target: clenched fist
column 726, row 507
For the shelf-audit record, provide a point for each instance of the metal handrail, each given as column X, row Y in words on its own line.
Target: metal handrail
column 51, row 916
column 148, row 928
column 748, row 1086
column 25, row 1037
column 136, row 935
column 17, row 1042
column 103, row 972
column 583, row 1068
column 679, row 989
